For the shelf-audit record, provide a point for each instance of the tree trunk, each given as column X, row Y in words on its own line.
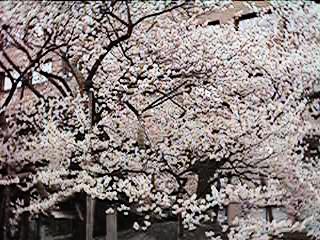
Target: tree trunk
column 204, row 187
column 89, row 200
column 5, row 213
column 203, row 183
column 180, row 227
column 25, row 227
column 6, row 209
column 80, row 227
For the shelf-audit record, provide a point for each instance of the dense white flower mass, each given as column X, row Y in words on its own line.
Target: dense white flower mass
column 154, row 99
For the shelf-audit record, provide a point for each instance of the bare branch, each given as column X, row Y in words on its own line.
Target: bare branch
column 157, row 14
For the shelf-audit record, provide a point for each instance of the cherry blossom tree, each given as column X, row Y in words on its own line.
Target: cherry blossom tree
column 157, row 103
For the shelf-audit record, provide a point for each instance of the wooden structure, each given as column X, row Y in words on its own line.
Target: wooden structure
column 90, row 204
column 112, row 225
column 233, row 211
column 61, row 225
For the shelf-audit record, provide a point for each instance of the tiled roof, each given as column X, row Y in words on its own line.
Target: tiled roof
column 238, row 9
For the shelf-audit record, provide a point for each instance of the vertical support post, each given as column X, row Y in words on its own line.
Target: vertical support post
column 233, row 212
column 42, row 232
column 112, row 228
column 268, row 209
column 236, row 23
column 269, row 215
column 89, row 217
column 180, row 227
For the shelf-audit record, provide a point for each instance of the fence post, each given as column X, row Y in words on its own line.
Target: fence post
column 112, row 228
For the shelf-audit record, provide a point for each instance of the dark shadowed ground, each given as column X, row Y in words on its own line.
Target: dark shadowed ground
column 168, row 231
column 165, row 231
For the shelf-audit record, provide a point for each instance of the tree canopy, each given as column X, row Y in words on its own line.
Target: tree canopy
column 160, row 115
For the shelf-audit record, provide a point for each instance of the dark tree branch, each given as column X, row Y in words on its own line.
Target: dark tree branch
column 20, row 46
column 15, row 67
column 60, row 79
column 118, row 18
column 133, row 109
column 157, row 14
column 176, row 103
column 40, row 55
column 164, row 98
column 33, row 89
